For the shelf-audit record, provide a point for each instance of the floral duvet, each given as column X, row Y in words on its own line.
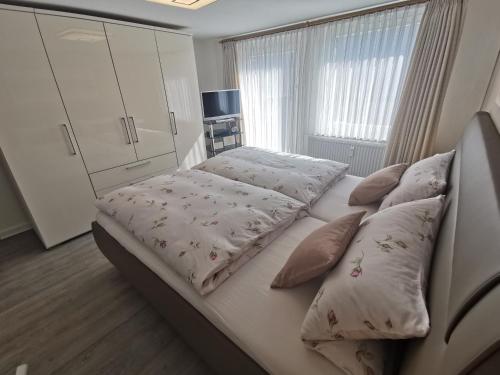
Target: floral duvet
column 202, row 225
column 297, row 176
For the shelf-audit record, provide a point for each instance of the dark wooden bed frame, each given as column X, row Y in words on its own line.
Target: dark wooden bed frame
column 463, row 294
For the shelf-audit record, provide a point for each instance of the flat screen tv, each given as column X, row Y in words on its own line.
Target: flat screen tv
column 220, row 104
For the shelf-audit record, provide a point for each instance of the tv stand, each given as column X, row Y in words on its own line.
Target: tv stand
column 222, row 135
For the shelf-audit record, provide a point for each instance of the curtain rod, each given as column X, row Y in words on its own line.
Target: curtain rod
column 320, row 21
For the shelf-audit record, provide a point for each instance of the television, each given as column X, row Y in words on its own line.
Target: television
column 220, row 104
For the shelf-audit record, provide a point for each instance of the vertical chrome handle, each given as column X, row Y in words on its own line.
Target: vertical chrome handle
column 70, row 141
column 173, row 122
column 134, row 133
column 124, row 125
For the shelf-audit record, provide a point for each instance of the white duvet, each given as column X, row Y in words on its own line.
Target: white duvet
column 202, row 225
column 297, row 176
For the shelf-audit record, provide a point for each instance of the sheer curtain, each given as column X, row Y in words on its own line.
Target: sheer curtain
column 340, row 79
column 270, row 71
column 357, row 71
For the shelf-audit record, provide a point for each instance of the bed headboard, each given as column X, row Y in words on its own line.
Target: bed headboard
column 464, row 288
column 491, row 102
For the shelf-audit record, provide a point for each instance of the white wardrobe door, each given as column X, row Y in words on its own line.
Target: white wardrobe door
column 36, row 137
column 181, row 82
column 79, row 54
column 138, row 70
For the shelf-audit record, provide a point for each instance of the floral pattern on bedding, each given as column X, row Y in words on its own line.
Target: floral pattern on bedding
column 377, row 290
column 354, row 357
column 297, row 176
column 425, row 179
column 202, row 225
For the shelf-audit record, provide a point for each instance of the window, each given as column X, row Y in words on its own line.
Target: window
column 340, row 79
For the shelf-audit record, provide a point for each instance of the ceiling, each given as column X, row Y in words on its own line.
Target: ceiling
column 224, row 17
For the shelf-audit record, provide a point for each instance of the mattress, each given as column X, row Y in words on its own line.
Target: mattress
column 265, row 323
column 333, row 203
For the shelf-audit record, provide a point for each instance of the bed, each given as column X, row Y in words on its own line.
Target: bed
column 333, row 202
column 322, row 184
column 300, row 177
column 237, row 328
column 244, row 308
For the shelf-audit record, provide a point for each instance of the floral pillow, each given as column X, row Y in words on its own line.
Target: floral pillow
column 378, row 288
column 426, row 178
column 364, row 357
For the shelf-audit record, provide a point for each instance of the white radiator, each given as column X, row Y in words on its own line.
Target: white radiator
column 363, row 157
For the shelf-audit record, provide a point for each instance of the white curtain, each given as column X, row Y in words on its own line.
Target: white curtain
column 269, row 71
column 340, row 79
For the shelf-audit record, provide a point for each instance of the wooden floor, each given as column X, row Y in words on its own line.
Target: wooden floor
column 68, row 311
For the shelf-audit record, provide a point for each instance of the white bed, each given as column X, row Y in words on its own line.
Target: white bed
column 322, row 184
column 244, row 307
column 297, row 176
column 265, row 323
column 333, row 203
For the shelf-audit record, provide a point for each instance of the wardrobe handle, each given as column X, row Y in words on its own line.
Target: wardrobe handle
column 70, row 142
column 131, row 121
column 124, row 125
column 172, row 116
column 138, row 165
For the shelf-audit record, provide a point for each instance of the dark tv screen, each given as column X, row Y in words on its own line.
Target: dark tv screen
column 220, row 104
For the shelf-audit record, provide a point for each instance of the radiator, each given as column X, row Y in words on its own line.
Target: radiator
column 362, row 156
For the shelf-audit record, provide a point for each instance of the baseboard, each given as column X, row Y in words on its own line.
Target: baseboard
column 13, row 230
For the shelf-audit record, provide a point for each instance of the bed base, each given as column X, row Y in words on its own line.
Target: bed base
column 216, row 349
column 464, row 286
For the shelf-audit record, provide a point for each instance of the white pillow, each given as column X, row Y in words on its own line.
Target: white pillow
column 378, row 288
column 354, row 357
column 424, row 179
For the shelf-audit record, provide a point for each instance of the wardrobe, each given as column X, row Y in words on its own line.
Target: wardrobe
column 90, row 105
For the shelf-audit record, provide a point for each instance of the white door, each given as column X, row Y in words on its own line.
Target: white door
column 79, row 54
column 181, row 82
column 138, row 70
column 36, row 137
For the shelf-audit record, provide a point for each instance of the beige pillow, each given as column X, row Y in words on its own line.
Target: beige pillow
column 425, row 179
column 319, row 251
column 378, row 288
column 374, row 187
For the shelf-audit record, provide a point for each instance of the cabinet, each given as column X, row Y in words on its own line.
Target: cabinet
column 79, row 54
column 135, row 57
column 88, row 106
column 36, row 137
column 181, row 84
column 114, row 178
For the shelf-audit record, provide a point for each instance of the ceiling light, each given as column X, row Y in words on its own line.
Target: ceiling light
column 188, row 4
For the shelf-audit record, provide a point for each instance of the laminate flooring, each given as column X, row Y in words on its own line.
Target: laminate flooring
column 69, row 311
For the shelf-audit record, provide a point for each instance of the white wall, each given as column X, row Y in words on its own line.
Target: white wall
column 209, row 64
column 13, row 219
column 474, row 64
